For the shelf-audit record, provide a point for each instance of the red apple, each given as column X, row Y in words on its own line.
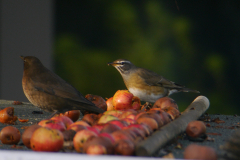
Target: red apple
column 96, row 149
column 137, row 131
column 108, row 135
column 94, row 129
column 97, row 100
column 103, row 141
column 76, row 127
column 109, row 128
column 165, row 102
column 99, row 126
column 123, row 100
column 121, row 134
column 109, row 104
column 124, row 147
column 119, row 123
column 143, row 127
column 27, row 134
column 107, row 118
column 151, row 122
column 127, row 112
column 164, row 115
column 91, row 118
column 81, row 137
column 73, row 114
column 46, row 139
column 53, row 124
column 10, row 135
column 83, row 123
column 66, row 120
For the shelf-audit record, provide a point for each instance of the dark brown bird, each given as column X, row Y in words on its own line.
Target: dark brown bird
column 145, row 84
column 49, row 92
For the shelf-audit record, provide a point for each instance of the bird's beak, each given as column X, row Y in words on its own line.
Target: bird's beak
column 111, row 63
column 22, row 57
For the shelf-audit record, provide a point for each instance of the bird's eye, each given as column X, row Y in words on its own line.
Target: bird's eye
column 122, row 63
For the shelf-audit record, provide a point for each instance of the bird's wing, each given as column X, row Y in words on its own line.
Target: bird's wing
column 153, row 79
column 55, row 85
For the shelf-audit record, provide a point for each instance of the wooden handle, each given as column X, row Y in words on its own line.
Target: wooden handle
column 161, row 137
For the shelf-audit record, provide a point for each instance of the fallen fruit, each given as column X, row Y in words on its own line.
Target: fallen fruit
column 46, row 139
column 7, row 115
column 97, row 100
column 195, row 129
column 91, row 118
column 124, row 147
column 123, row 100
column 53, row 124
column 73, row 114
column 194, row 151
column 27, row 134
column 165, row 102
column 81, row 137
column 10, row 135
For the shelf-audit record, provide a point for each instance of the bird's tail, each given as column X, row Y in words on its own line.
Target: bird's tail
column 188, row 90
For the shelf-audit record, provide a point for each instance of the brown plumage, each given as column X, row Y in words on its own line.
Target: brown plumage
column 145, row 84
column 49, row 92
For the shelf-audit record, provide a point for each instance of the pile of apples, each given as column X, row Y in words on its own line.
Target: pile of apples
column 118, row 130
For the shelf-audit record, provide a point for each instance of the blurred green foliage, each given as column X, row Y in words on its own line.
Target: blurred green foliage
column 89, row 34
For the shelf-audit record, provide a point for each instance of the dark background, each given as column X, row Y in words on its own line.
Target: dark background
column 194, row 43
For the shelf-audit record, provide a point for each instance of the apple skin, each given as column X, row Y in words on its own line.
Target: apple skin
column 104, row 141
column 173, row 112
column 66, row 120
column 53, row 124
column 123, row 100
column 164, row 115
column 143, row 127
column 108, row 135
column 27, row 134
column 109, row 103
column 109, row 128
column 10, row 135
column 7, row 115
column 165, row 102
column 121, row 134
column 46, row 139
column 81, row 137
column 99, row 126
column 91, row 118
column 116, row 113
column 195, row 129
column 124, row 147
column 194, row 151
column 94, row 129
column 129, row 121
column 73, row 114
column 119, row 123
column 76, row 127
column 151, row 122
column 97, row 100
column 83, row 123
column 96, row 149
column 106, row 118
column 127, row 112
